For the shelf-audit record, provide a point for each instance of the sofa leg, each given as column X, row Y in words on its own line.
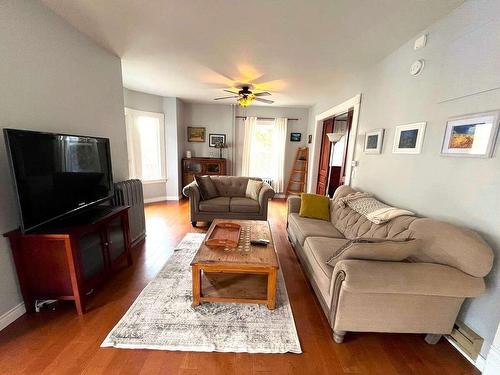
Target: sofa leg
column 193, row 223
column 338, row 336
column 432, row 339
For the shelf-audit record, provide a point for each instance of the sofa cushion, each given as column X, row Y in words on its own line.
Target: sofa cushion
column 315, row 206
column 375, row 249
column 303, row 227
column 219, row 204
column 238, row 204
column 323, row 249
column 208, row 190
column 253, row 189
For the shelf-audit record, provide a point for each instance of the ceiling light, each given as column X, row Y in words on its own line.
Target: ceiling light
column 246, row 100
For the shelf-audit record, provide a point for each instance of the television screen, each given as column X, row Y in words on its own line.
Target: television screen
column 57, row 174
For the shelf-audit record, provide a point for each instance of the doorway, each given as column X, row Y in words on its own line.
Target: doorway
column 333, row 153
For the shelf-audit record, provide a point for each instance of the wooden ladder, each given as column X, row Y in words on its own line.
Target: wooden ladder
column 298, row 175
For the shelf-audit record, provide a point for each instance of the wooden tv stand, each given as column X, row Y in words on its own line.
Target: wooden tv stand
column 68, row 260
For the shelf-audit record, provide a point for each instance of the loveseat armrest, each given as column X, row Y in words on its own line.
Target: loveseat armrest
column 430, row 279
column 266, row 193
column 293, row 205
column 192, row 191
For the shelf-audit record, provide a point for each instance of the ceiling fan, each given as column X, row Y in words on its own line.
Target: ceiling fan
column 245, row 96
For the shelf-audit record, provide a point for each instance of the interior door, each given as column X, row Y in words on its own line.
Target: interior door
column 324, row 158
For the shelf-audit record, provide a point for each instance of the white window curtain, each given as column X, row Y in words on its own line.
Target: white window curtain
column 146, row 145
column 250, row 123
column 279, row 147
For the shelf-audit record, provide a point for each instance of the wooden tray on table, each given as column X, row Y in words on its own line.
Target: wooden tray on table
column 224, row 235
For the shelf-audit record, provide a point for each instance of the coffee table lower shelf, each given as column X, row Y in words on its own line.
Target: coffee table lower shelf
column 234, row 286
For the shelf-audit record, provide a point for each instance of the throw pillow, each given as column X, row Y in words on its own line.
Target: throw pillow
column 375, row 249
column 253, row 189
column 314, row 206
column 208, row 190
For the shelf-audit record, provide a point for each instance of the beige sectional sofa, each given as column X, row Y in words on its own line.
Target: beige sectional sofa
column 231, row 202
column 422, row 294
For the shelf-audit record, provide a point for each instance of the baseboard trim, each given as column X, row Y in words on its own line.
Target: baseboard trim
column 279, row 196
column 479, row 363
column 173, row 197
column 155, row 199
column 11, row 315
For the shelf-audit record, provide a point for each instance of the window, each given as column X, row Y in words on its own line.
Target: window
column 261, row 161
column 146, row 145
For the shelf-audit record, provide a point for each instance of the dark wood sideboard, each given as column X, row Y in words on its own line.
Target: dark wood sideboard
column 201, row 166
column 68, row 260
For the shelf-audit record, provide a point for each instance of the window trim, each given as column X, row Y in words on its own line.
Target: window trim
column 130, row 119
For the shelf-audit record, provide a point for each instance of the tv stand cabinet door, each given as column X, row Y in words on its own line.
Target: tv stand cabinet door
column 117, row 241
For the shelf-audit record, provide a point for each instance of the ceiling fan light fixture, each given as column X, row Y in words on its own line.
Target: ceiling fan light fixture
column 245, row 100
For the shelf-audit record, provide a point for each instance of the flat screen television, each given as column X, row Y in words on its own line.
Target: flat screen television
column 57, row 174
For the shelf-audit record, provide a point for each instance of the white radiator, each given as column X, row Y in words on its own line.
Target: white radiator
column 268, row 180
column 129, row 193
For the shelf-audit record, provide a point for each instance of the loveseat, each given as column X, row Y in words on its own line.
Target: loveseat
column 421, row 294
column 231, row 202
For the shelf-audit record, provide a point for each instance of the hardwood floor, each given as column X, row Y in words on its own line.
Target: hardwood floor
column 60, row 342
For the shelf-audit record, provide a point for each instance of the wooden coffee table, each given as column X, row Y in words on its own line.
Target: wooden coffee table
column 246, row 274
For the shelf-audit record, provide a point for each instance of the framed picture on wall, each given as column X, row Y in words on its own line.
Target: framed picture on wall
column 471, row 135
column 409, row 138
column 214, row 139
column 373, row 141
column 295, row 137
column 196, row 134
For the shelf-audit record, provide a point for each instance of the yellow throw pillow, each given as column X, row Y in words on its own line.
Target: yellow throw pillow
column 315, row 206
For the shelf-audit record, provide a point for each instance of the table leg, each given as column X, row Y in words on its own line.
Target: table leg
column 271, row 289
column 196, row 285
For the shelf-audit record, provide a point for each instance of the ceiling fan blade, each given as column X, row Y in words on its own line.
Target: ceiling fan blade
column 264, row 100
column 227, row 97
column 265, row 93
column 232, row 91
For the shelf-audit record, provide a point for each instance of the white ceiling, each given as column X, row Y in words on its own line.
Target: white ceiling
column 192, row 48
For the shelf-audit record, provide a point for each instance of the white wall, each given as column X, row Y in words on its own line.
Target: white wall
column 461, row 76
column 53, row 78
column 172, row 108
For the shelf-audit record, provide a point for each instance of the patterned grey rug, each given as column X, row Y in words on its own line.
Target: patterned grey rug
column 162, row 316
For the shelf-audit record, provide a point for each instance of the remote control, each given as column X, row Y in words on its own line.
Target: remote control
column 260, row 242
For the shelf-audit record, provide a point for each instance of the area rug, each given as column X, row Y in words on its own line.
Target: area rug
column 162, row 316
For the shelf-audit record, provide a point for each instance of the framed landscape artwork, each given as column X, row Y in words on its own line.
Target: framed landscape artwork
column 295, row 137
column 214, row 139
column 196, row 134
column 409, row 138
column 373, row 141
column 471, row 135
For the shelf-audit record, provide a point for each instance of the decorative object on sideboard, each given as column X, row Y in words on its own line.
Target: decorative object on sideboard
column 373, row 141
column 188, row 154
column 295, row 137
column 309, row 138
column 220, row 146
column 471, row 135
column 214, row 139
column 409, row 138
column 196, row 134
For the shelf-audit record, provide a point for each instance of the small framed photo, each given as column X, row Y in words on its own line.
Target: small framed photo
column 214, row 139
column 295, row 137
column 196, row 134
column 373, row 141
column 471, row 135
column 409, row 138
column 310, row 138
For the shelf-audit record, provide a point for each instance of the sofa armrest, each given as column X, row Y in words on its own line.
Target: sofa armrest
column 293, row 205
column 266, row 193
column 192, row 191
column 365, row 276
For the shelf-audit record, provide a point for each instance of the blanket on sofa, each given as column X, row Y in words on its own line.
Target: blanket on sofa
column 374, row 210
